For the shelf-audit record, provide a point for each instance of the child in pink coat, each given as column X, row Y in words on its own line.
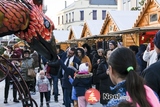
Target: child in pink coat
column 43, row 87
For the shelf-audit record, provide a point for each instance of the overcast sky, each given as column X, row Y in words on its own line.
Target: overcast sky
column 54, row 6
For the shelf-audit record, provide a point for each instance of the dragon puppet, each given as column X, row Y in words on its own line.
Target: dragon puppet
column 26, row 20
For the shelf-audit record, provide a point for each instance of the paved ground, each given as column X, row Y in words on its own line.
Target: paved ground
column 36, row 97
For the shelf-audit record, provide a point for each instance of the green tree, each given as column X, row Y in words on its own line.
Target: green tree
column 139, row 7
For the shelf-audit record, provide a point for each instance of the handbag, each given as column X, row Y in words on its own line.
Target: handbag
column 30, row 72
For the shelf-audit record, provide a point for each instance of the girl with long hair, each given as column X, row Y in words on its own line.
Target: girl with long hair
column 128, row 85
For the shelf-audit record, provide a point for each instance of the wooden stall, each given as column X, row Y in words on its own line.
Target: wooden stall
column 149, row 17
column 116, row 21
column 61, row 37
column 90, row 30
column 74, row 36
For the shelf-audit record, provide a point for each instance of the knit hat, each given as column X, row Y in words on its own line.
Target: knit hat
column 157, row 39
column 113, row 42
column 83, row 68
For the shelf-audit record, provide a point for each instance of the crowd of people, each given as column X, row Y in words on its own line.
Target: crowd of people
column 132, row 73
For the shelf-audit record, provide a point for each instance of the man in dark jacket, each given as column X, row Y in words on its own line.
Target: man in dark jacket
column 152, row 73
column 67, row 57
column 54, row 68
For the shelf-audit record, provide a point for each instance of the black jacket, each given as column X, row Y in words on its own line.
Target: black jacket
column 152, row 76
column 67, row 71
column 95, row 66
column 54, row 67
column 105, row 81
column 82, row 83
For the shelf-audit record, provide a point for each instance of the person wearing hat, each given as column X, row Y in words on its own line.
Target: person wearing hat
column 26, row 64
column 112, row 45
column 82, row 82
column 152, row 73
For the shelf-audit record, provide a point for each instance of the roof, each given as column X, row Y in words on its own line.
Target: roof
column 94, row 26
column 70, row 6
column 132, row 30
column 77, row 30
column 103, row 2
column 124, row 19
column 143, row 9
column 61, row 35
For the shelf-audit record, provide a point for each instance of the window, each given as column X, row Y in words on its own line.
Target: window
column 72, row 16
column 111, row 27
column 62, row 19
column 58, row 20
column 69, row 17
column 94, row 14
column 153, row 17
column 103, row 14
column 66, row 18
column 81, row 15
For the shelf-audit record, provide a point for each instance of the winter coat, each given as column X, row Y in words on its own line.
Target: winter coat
column 54, row 67
column 82, row 82
column 67, row 71
column 27, row 63
column 17, row 53
column 152, row 76
column 105, row 81
column 43, row 84
column 150, row 57
column 123, row 95
column 95, row 66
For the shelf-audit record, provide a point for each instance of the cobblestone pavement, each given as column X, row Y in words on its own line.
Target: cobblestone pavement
column 35, row 97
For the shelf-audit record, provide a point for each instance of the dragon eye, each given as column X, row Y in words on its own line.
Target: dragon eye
column 47, row 24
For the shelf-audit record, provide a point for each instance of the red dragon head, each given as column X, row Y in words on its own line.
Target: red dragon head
column 27, row 21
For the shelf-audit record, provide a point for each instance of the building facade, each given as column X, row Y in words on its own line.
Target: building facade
column 81, row 10
column 127, row 4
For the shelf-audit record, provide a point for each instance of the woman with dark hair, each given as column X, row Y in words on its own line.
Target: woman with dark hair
column 87, row 50
column 105, row 81
column 128, row 85
column 97, row 59
column 80, row 53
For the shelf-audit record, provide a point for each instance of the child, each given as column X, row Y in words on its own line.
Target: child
column 43, row 87
column 74, row 97
column 130, row 87
column 82, row 82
